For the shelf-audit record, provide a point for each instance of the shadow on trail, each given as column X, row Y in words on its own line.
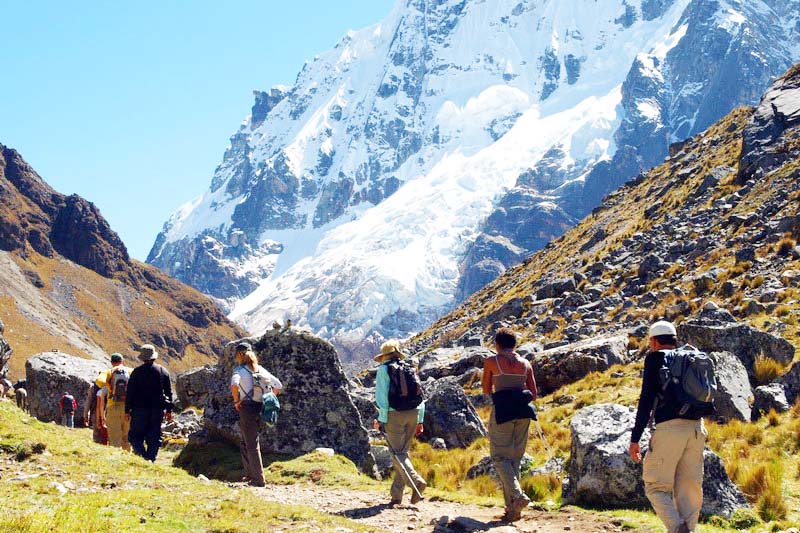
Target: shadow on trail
column 364, row 512
column 466, row 524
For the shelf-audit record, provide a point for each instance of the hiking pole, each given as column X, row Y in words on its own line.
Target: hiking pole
column 544, row 441
column 401, row 467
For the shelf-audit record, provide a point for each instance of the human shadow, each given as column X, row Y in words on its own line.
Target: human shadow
column 466, row 524
column 364, row 512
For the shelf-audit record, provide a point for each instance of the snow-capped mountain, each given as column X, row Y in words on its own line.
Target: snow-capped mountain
column 422, row 156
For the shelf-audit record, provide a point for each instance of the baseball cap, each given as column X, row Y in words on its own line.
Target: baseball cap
column 116, row 357
column 662, row 327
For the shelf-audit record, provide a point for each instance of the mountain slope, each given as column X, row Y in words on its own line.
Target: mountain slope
column 423, row 156
column 718, row 220
column 67, row 282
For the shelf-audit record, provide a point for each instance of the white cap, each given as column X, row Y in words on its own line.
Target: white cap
column 662, row 327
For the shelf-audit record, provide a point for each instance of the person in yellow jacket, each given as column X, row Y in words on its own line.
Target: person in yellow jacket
column 113, row 416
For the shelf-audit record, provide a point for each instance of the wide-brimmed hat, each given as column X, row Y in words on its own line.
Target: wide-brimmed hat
column 147, row 352
column 662, row 327
column 390, row 350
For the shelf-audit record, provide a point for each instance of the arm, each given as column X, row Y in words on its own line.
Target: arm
column 382, row 393
column 647, row 398
column 166, row 390
column 131, row 392
column 274, row 382
column 488, row 372
column 101, row 409
column 530, row 381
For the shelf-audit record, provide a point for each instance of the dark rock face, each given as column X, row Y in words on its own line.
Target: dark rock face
column 791, row 383
column 732, row 398
column 744, row 341
column 5, row 352
column 50, row 374
column 602, row 474
column 191, row 387
column 450, row 415
column 769, row 397
column 309, row 369
column 567, row 364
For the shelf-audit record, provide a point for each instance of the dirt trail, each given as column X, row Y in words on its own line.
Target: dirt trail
column 371, row 508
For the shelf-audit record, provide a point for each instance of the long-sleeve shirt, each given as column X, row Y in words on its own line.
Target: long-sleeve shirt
column 149, row 387
column 70, row 400
column 382, row 397
column 651, row 387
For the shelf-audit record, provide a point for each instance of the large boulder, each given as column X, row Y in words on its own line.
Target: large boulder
column 744, row 341
column 316, row 408
column 791, row 383
column 5, row 352
column 364, row 400
column 733, row 395
column 191, row 386
column 450, row 415
column 602, row 474
column 560, row 366
column 50, row 374
column 768, row 398
column 485, row 467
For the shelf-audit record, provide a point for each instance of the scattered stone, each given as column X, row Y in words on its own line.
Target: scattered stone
column 438, row 444
column 450, row 415
column 555, row 288
column 791, row 383
column 485, row 467
column 769, row 397
column 733, row 388
column 191, row 387
column 329, row 452
column 383, row 459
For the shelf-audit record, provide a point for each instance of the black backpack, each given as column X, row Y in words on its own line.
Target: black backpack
column 67, row 403
column 688, row 378
column 405, row 389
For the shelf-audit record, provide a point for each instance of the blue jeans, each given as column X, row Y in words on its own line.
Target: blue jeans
column 68, row 419
column 145, row 432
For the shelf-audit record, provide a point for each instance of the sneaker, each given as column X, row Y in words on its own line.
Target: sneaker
column 254, row 483
column 394, row 502
column 421, row 486
column 515, row 513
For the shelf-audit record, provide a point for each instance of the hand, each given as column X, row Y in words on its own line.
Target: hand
column 237, row 405
column 635, row 452
column 275, row 391
column 377, row 426
column 419, row 430
column 127, row 417
column 168, row 416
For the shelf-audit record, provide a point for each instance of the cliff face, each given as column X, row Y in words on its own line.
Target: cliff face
column 67, row 281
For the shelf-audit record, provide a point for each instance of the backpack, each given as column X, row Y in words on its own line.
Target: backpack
column 270, row 405
column 405, row 389
column 688, row 378
column 92, row 399
column 118, row 384
column 67, row 403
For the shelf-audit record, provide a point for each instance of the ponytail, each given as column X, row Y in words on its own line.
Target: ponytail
column 247, row 358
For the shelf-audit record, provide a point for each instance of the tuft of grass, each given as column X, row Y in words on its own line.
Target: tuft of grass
column 766, row 370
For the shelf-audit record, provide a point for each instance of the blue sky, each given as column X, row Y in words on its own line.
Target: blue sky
column 131, row 104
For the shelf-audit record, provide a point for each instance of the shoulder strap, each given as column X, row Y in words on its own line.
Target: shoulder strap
column 497, row 362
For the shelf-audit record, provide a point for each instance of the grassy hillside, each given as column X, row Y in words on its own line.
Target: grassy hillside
column 55, row 479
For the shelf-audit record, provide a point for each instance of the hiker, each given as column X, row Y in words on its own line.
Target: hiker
column 95, row 401
column 148, row 401
column 673, row 466
column 67, row 406
column 508, row 378
column 401, row 411
column 20, row 394
column 249, row 383
column 112, row 411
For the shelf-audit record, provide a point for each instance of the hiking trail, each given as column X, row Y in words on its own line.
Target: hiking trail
column 432, row 515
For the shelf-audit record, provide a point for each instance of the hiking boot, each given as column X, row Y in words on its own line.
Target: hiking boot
column 515, row 511
column 254, row 483
column 683, row 528
column 421, row 486
column 394, row 502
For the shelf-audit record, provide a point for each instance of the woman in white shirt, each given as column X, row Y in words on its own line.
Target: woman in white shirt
column 249, row 383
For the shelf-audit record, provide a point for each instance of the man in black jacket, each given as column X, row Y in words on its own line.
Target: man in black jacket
column 673, row 466
column 147, row 402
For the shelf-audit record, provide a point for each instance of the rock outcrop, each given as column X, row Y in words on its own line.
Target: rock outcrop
column 50, row 374
column 317, row 410
column 445, row 362
column 791, row 383
column 191, row 387
column 767, row 398
column 450, row 415
column 5, row 352
column 602, row 474
column 559, row 366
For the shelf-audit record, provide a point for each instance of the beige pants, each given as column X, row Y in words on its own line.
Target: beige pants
column 118, row 426
column 673, row 472
column 507, row 442
column 400, row 428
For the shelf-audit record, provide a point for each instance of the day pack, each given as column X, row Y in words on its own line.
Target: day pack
column 688, row 378
column 119, row 383
column 270, row 405
column 405, row 389
column 67, row 403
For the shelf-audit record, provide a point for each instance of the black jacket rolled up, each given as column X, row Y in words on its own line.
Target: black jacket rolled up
column 513, row 405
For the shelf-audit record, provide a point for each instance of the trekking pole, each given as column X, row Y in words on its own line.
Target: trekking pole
column 401, row 467
column 547, row 448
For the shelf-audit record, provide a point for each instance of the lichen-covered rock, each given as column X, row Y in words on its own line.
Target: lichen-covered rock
column 769, row 397
column 601, row 472
column 791, row 383
column 732, row 398
column 485, row 467
column 50, row 374
column 560, row 366
column 183, row 424
column 316, row 407
column 191, row 386
column 744, row 341
column 364, row 400
column 450, row 415
column 444, row 362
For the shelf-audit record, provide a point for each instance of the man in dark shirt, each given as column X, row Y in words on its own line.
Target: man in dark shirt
column 673, row 466
column 147, row 401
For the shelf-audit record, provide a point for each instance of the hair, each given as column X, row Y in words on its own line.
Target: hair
column 505, row 338
column 666, row 340
column 247, row 357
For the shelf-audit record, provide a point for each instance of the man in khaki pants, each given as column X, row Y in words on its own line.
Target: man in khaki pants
column 673, row 466
column 114, row 418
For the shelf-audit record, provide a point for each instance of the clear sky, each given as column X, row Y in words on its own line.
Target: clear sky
column 131, row 104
